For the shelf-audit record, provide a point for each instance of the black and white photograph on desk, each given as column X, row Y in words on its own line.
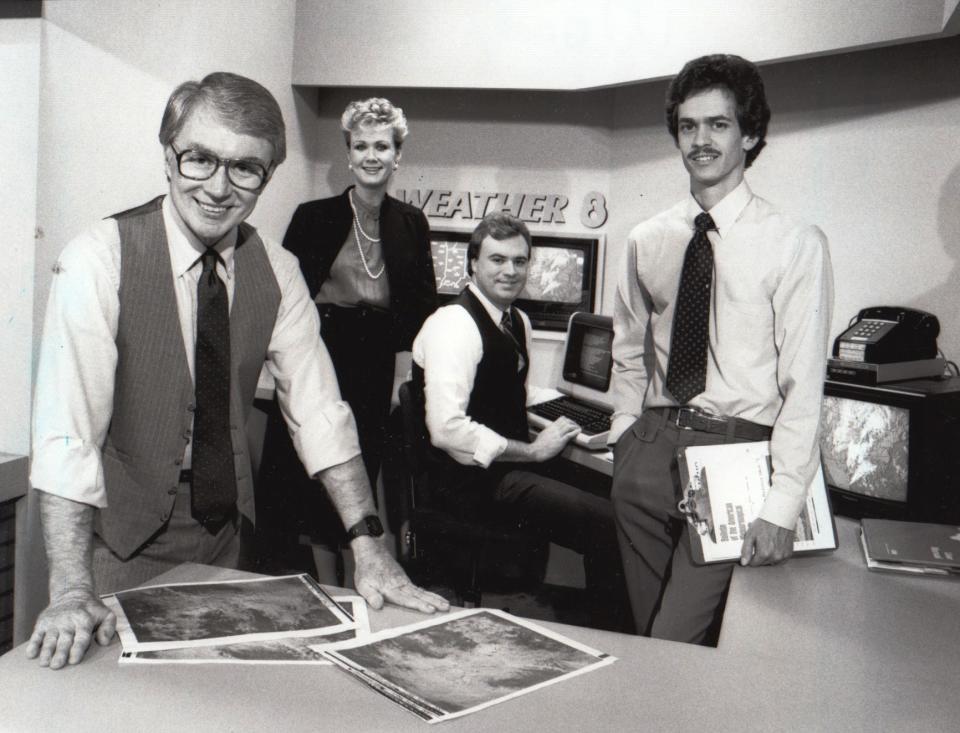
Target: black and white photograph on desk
column 289, row 650
column 463, row 662
column 180, row 615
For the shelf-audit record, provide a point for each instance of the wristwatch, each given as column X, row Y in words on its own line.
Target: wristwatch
column 368, row 526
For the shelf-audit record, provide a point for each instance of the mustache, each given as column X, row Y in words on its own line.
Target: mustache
column 703, row 149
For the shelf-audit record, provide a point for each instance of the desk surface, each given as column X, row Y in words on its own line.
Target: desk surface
column 13, row 476
column 817, row 644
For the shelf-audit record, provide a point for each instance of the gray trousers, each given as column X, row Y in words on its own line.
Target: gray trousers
column 182, row 539
column 671, row 597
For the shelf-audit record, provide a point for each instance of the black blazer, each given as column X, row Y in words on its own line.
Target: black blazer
column 318, row 231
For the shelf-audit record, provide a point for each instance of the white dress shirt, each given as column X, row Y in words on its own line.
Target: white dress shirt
column 448, row 349
column 770, row 313
column 73, row 401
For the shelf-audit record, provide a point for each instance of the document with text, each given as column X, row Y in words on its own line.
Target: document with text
column 724, row 490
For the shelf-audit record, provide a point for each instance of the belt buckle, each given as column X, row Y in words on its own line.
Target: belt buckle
column 681, row 413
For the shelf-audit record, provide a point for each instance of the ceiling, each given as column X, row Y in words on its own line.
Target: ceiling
column 575, row 44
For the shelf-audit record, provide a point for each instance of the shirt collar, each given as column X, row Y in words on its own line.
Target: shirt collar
column 727, row 211
column 495, row 313
column 185, row 249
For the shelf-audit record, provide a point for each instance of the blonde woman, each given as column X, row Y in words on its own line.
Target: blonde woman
column 366, row 259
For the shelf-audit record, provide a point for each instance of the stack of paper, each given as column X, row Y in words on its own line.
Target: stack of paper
column 264, row 621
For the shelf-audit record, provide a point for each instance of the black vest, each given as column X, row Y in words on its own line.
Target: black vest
column 499, row 396
column 498, row 399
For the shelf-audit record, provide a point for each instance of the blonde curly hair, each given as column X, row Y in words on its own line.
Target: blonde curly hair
column 374, row 112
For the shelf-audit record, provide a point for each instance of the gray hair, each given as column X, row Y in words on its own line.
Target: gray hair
column 240, row 103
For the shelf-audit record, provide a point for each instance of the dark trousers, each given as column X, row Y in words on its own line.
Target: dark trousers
column 565, row 515
column 671, row 597
column 290, row 503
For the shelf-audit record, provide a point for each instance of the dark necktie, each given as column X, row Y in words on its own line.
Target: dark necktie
column 687, row 369
column 506, row 325
column 214, row 489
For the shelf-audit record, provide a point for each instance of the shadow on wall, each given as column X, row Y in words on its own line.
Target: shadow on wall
column 942, row 300
column 845, row 86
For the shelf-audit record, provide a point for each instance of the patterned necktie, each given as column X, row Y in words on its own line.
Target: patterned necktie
column 506, row 325
column 214, row 489
column 687, row 369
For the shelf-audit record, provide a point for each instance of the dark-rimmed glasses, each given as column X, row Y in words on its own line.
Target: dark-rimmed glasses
column 199, row 165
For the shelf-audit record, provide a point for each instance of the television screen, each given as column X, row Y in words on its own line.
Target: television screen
column 555, row 274
column 561, row 277
column 449, row 265
column 865, row 447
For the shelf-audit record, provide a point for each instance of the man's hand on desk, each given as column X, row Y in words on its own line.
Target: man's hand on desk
column 766, row 544
column 64, row 630
column 378, row 577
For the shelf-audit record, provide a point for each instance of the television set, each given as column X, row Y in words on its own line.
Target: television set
column 893, row 450
column 564, row 276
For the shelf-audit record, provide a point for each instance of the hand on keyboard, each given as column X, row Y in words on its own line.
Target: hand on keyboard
column 553, row 438
column 591, row 420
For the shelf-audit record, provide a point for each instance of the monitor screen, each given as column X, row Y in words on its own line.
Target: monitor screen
column 589, row 353
column 596, row 356
column 555, row 274
column 449, row 265
column 561, row 277
column 865, row 447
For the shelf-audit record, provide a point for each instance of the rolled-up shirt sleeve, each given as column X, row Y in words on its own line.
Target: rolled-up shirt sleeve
column 321, row 424
column 802, row 306
column 448, row 349
column 73, row 400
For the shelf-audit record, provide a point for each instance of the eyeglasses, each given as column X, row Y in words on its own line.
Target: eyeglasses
column 198, row 165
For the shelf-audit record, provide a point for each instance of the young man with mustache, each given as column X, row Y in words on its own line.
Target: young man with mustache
column 721, row 325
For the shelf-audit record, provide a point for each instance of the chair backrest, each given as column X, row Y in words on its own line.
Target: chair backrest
column 416, row 439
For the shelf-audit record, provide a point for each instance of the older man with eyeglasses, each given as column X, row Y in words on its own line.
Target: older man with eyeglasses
column 158, row 323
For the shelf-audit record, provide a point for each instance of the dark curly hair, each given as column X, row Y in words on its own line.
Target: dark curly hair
column 738, row 75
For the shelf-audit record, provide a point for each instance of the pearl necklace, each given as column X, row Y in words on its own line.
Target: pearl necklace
column 358, row 232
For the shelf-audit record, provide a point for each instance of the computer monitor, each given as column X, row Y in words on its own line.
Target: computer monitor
column 893, row 450
column 588, row 357
column 564, row 276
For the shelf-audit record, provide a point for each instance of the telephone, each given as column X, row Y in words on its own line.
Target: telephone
column 886, row 334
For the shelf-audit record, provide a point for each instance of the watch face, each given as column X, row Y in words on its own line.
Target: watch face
column 368, row 526
column 374, row 527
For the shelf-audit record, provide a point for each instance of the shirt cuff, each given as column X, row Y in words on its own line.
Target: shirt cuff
column 70, row 468
column 328, row 439
column 489, row 448
column 782, row 508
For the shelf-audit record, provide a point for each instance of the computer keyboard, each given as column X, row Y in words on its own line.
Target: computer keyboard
column 594, row 424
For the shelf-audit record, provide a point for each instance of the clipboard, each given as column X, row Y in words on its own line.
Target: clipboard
column 724, row 487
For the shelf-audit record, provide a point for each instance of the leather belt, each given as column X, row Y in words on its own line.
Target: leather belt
column 689, row 418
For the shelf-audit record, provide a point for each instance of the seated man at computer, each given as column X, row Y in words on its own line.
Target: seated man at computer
column 471, row 359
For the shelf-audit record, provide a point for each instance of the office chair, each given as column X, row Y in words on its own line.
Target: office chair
column 432, row 538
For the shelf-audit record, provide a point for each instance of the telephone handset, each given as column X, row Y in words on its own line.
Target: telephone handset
column 886, row 334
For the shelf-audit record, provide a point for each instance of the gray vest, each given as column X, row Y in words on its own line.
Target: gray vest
column 153, row 394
